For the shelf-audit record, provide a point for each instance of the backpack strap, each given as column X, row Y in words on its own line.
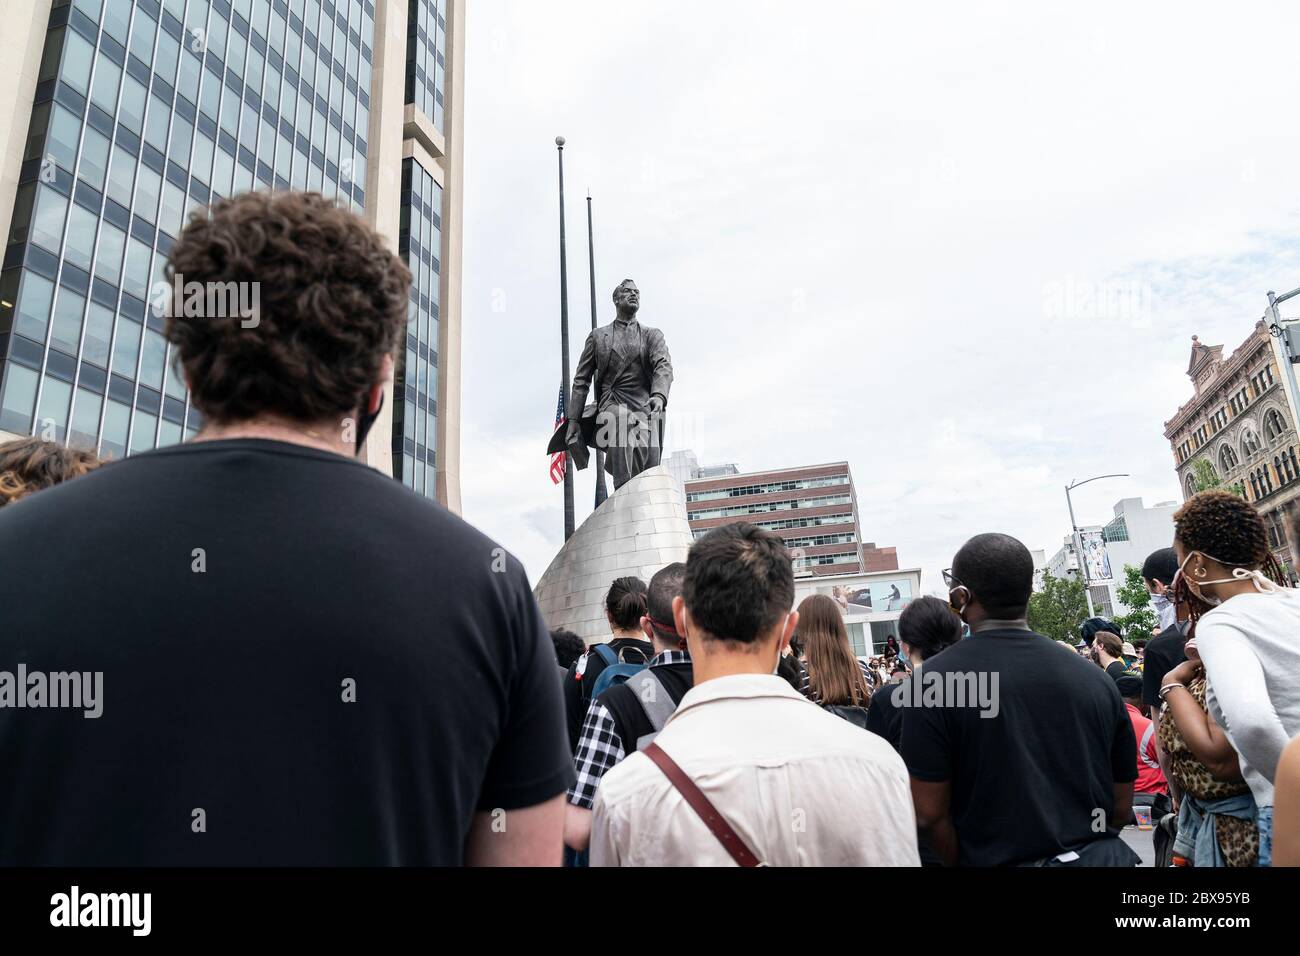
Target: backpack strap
column 654, row 699
column 717, row 824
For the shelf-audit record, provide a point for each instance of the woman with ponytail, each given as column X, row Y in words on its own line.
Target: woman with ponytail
column 1245, row 627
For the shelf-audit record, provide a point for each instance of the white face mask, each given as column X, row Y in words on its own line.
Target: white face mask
column 1257, row 577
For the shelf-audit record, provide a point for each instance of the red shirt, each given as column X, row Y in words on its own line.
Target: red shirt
column 1150, row 778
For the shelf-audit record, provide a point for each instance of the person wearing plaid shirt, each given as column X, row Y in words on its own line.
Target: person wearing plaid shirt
column 617, row 720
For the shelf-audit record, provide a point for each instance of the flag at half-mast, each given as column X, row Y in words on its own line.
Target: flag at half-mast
column 558, row 459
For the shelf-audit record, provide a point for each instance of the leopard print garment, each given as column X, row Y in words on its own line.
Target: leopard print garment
column 1238, row 839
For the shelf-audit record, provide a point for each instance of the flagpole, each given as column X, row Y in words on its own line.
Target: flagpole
column 564, row 345
column 601, row 493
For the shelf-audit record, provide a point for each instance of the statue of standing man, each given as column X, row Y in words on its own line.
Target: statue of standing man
column 628, row 365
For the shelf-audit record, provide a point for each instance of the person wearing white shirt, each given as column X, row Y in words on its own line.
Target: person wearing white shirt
column 1247, row 630
column 794, row 784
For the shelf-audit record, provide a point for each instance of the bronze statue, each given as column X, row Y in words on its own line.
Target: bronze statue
column 632, row 373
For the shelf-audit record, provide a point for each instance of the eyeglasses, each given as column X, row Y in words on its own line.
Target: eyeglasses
column 950, row 581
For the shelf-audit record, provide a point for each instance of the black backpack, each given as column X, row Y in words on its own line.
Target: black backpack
column 854, row 715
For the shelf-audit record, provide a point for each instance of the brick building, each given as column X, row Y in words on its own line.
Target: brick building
column 1241, row 424
column 813, row 508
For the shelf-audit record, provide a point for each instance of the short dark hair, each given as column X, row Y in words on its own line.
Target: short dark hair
column 625, row 602
column 929, row 625
column 332, row 300
column 665, row 585
column 1160, row 566
column 998, row 571
column 739, row 581
column 568, row 646
column 1113, row 643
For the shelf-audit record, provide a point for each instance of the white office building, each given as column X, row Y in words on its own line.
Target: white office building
column 1132, row 534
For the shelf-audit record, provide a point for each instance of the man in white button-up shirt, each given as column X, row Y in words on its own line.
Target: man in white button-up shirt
column 799, row 785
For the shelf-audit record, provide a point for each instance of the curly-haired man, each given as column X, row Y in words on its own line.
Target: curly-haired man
column 303, row 662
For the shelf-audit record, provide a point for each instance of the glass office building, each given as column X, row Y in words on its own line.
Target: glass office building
column 144, row 110
column 415, row 426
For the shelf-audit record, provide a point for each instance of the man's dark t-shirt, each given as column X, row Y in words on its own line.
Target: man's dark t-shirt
column 577, row 693
column 1115, row 669
column 1164, row 652
column 885, row 716
column 1025, row 783
column 303, row 663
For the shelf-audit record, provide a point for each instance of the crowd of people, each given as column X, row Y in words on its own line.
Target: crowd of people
column 305, row 663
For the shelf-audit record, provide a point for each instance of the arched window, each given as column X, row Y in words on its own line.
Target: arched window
column 1191, row 484
column 1254, row 485
column 1274, row 425
column 1228, row 460
column 1249, row 442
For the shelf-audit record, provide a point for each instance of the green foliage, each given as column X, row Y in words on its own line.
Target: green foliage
column 1058, row 609
column 1206, row 478
column 1204, row 475
column 1141, row 620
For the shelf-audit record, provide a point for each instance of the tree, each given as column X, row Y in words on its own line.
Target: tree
column 1059, row 608
column 1141, row 620
column 1206, row 479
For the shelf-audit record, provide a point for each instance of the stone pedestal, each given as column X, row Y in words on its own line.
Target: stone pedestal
column 639, row 529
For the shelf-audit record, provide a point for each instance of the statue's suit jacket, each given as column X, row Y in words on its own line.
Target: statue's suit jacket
column 601, row 363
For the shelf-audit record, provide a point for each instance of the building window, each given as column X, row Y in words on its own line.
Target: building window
column 1274, row 425
column 1228, row 460
column 1191, row 484
column 1117, row 530
column 1249, row 442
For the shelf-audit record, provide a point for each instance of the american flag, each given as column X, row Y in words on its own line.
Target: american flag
column 558, row 459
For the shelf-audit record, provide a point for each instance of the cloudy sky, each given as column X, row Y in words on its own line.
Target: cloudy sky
column 962, row 246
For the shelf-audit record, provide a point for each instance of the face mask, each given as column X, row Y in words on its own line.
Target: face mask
column 1159, row 601
column 1257, row 577
column 953, row 604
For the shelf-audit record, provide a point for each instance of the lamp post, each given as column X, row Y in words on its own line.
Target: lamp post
column 1290, row 344
column 1078, row 541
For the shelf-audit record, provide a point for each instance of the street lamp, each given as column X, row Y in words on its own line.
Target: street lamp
column 1290, row 343
column 1078, row 541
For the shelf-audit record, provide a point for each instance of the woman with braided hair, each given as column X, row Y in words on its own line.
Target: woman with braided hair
column 1246, row 629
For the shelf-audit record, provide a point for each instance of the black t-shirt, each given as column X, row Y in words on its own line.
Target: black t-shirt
column 885, row 716
column 301, row 659
column 1116, row 669
column 1026, row 780
column 577, row 693
column 1164, row 652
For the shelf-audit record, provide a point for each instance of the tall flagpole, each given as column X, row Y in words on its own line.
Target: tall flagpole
column 564, row 347
column 601, row 493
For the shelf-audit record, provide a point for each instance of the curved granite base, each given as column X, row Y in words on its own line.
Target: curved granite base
column 639, row 529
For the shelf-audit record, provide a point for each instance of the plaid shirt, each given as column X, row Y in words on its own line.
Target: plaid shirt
column 599, row 746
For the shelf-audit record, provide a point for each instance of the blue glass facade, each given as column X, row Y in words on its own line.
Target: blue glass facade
column 426, row 58
column 145, row 110
column 415, row 416
column 415, row 413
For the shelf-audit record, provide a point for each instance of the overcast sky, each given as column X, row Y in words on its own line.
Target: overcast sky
column 962, row 246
